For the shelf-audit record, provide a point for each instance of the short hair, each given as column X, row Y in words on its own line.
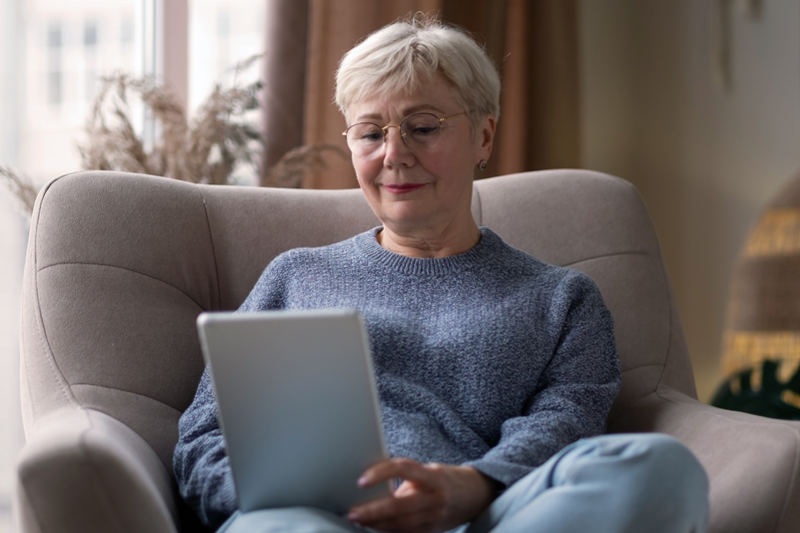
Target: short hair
column 404, row 54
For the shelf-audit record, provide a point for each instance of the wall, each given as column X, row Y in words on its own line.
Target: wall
column 705, row 158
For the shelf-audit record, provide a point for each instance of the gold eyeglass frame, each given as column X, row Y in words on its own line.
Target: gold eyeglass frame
column 385, row 129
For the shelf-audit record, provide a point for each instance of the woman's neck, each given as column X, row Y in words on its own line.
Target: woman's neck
column 427, row 244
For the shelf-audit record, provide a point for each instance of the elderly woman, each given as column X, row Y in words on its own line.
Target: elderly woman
column 495, row 371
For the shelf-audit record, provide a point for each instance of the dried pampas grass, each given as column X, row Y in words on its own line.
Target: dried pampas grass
column 21, row 187
column 206, row 149
column 290, row 170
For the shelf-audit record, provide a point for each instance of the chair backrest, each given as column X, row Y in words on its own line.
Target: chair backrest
column 120, row 265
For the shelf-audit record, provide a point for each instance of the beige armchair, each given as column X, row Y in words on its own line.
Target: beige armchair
column 119, row 266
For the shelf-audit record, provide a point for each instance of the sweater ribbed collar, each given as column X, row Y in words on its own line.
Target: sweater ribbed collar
column 487, row 249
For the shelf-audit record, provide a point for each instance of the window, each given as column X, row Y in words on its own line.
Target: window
column 90, row 33
column 90, row 78
column 54, row 75
column 223, row 33
column 126, row 30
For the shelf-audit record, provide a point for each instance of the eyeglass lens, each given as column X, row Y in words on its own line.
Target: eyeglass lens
column 421, row 131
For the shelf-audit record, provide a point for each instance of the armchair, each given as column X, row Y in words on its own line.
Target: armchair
column 119, row 266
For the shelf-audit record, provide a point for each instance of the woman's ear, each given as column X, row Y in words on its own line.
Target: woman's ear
column 485, row 137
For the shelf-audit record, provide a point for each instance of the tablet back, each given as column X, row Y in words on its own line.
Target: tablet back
column 297, row 406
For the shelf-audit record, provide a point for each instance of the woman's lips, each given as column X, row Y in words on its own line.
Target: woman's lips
column 404, row 188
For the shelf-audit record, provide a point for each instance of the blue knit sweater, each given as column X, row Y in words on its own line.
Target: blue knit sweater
column 490, row 358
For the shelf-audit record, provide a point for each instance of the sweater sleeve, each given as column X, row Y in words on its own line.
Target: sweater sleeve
column 575, row 390
column 200, row 461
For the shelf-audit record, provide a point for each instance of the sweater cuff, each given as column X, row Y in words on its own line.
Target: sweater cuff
column 505, row 473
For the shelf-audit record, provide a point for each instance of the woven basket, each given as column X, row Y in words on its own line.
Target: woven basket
column 763, row 320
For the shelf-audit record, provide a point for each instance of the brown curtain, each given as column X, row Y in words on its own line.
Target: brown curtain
column 283, row 75
column 533, row 43
column 539, row 122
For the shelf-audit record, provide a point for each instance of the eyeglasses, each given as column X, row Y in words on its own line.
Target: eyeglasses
column 420, row 131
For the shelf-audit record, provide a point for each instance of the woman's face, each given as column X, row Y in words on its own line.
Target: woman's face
column 413, row 190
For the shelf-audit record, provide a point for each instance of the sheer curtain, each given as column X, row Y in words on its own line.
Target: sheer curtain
column 534, row 45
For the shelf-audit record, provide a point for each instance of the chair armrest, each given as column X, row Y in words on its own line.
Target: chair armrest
column 753, row 462
column 82, row 470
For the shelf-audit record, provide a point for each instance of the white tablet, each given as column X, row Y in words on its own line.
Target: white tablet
column 298, row 406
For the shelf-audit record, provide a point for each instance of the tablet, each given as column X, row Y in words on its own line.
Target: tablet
column 298, row 406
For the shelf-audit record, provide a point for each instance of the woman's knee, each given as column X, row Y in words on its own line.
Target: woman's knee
column 667, row 458
column 643, row 456
column 653, row 473
column 630, row 483
column 684, row 485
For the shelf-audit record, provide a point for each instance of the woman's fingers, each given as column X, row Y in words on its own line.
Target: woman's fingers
column 406, row 469
column 417, row 505
column 432, row 497
column 408, row 503
column 408, row 512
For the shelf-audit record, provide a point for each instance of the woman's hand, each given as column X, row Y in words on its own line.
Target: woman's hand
column 432, row 497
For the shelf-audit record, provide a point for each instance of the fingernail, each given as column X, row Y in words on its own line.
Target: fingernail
column 362, row 481
column 353, row 517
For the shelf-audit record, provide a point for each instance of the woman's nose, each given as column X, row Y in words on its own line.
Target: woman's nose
column 397, row 151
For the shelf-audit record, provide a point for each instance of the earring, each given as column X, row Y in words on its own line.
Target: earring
column 482, row 164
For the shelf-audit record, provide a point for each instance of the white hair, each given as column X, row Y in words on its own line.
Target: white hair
column 403, row 55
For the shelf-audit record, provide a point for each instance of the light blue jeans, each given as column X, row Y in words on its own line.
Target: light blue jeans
column 611, row 484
